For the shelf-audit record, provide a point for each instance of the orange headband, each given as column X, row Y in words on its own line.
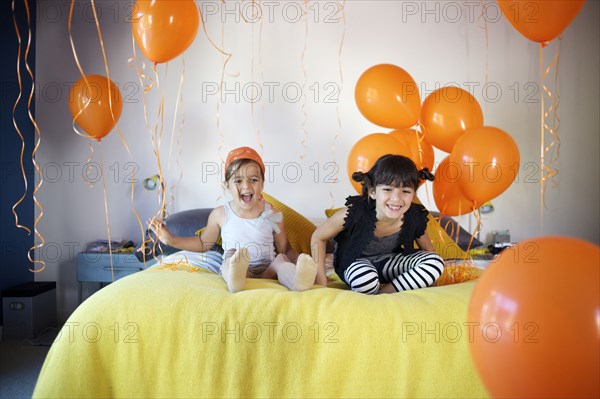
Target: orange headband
column 244, row 153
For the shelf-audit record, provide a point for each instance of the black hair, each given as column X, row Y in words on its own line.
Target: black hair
column 392, row 170
column 235, row 165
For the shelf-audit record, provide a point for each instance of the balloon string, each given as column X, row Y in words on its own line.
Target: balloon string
column 475, row 232
column 262, row 79
column 224, row 67
column 179, row 132
column 88, row 100
column 38, row 138
column 147, row 83
column 420, row 137
column 110, row 102
column 304, row 140
column 112, row 271
column 485, row 27
column 157, row 140
column 14, row 208
column 338, row 132
column 547, row 170
column 88, row 169
column 116, row 125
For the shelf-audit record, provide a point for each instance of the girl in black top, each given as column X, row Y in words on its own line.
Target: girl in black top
column 376, row 231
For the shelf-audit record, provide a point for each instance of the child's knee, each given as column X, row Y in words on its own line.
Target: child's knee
column 371, row 286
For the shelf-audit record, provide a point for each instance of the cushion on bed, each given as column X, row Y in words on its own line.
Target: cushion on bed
column 298, row 228
column 184, row 224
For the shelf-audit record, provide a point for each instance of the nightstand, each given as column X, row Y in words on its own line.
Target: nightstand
column 95, row 267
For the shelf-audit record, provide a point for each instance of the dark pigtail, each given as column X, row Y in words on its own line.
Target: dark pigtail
column 425, row 174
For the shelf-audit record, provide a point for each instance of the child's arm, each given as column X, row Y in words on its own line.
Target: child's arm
column 282, row 245
column 424, row 243
column 318, row 243
column 195, row 244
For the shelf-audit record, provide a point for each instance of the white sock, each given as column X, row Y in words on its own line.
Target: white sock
column 234, row 270
column 299, row 277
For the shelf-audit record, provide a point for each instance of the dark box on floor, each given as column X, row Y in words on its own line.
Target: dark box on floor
column 28, row 309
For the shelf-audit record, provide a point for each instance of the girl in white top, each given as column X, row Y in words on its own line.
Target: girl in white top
column 251, row 231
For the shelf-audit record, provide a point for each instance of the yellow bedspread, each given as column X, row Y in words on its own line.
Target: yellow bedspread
column 163, row 333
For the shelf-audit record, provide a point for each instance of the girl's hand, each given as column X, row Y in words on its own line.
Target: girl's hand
column 161, row 231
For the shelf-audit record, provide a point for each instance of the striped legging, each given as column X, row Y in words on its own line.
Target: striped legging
column 405, row 272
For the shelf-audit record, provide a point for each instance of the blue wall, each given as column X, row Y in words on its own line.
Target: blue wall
column 15, row 242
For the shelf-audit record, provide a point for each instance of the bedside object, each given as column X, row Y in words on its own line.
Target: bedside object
column 28, row 309
column 95, row 267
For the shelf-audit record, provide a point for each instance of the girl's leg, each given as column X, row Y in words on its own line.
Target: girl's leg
column 298, row 277
column 410, row 272
column 234, row 269
column 362, row 277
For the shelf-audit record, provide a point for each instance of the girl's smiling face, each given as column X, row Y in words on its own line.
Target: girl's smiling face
column 392, row 202
column 246, row 185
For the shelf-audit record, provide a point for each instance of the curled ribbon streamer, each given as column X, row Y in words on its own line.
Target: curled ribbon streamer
column 179, row 130
column 548, row 171
column 477, row 215
column 227, row 58
column 69, row 24
column 303, row 65
column 420, row 138
column 14, row 208
column 110, row 103
column 35, row 149
column 112, row 270
column 86, row 178
column 487, row 47
column 342, row 6
column 143, row 77
column 262, row 79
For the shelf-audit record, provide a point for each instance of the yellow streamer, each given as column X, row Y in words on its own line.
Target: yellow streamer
column 179, row 130
column 262, row 79
column 38, row 139
column 342, row 6
column 14, row 208
column 547, row 170
column 302, row 64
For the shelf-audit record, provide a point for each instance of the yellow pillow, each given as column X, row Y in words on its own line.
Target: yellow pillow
column 199, row 233
column 298, row 228
column 331, row 211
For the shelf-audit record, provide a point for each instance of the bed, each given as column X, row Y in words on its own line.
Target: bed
column 175, row 331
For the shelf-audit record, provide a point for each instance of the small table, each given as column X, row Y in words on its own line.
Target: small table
column 95, row 267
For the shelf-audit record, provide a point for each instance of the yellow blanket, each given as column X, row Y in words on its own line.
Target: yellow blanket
column 163, row 333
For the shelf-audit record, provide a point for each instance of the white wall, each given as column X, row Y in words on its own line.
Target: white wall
column 434, row 45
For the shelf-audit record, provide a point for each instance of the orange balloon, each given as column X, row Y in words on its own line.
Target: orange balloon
column 446, row 191
column 447, row 113
column 489, row 161
column 90, row 105
column 367, row 151
column 415, row 147
column 388, row 96
column 534, row 320
column 540, row 20
column 163, row 29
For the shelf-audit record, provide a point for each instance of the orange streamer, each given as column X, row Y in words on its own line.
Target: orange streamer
column 342, row 6
column 14, row 208
column 547, row 169
column 38, row 139
column 302, row 64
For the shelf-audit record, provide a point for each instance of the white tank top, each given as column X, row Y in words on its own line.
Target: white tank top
column 254, row 234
